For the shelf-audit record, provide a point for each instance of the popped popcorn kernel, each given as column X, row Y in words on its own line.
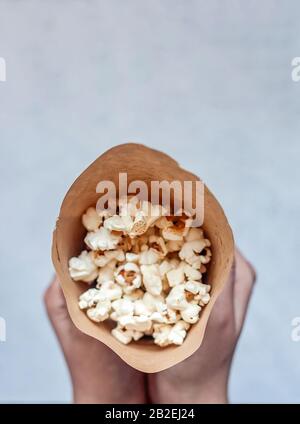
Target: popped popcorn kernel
column 91, row 220
column 128, row 276
column 102, row 239
column 83, row 268
column 145, row 270
column 100, row 312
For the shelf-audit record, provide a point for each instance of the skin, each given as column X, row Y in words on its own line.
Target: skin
column 100, row 376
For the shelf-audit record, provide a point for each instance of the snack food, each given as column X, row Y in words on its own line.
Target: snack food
column 69, row 234
column 145, row 269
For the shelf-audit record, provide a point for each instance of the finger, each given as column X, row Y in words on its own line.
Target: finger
column 243, row 286
column 56, row 307
column 53, row 298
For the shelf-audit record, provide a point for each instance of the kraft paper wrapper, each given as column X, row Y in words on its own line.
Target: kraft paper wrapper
column 140, row 163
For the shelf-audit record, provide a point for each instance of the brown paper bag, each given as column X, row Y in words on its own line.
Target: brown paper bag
column 140, row 163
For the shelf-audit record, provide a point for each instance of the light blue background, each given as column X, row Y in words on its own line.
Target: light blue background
column 207, row 82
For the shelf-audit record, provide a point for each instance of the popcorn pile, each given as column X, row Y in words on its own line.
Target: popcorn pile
column 145, row 270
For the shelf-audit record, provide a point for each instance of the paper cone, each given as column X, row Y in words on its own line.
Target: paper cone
column 140, row 163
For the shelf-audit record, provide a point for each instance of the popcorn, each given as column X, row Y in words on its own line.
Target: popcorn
column 149, row 213
column 102, row 258
column 196, row 287
column 199, row 291
column 124, row 320
column 122, row 307
column 128, row 205
column 91, row 220
column 88, row 298
column 126, row 244
column 101, row 298
column 163, row 223
column 191, row 313
column 174, row 245
column 176, row 298
column 176, row 276
column 148, row 257
column 189, row 252
column 158, row 245
column 118, row 223
column 178, row 229
column 194, row 234
column 158, row 317
column 132, row 257
column 175, row 262
column 151, row 279
column 165, row 335
column 192, row 286
column 140, row 308
column 124, row 336
column 147, row 271
column 161, row 334
column 138, row 323
column 109, row 291
column 154, row 303
column 106, row 273
column 206, row 254
column 137, row 335
column 128, row 276
column 152, row 212
column 171, row 316
column 139, row 225
column 178, row 333
column 165, row 267
column 204, row 299
column 102, row 239
column 83, row 268
column 135, row 217
column 139, row 244
column 191, row 273
column 134, row 295
column 100, row 312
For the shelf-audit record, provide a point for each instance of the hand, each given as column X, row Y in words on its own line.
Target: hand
column 203, row 377
column 98, row 374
